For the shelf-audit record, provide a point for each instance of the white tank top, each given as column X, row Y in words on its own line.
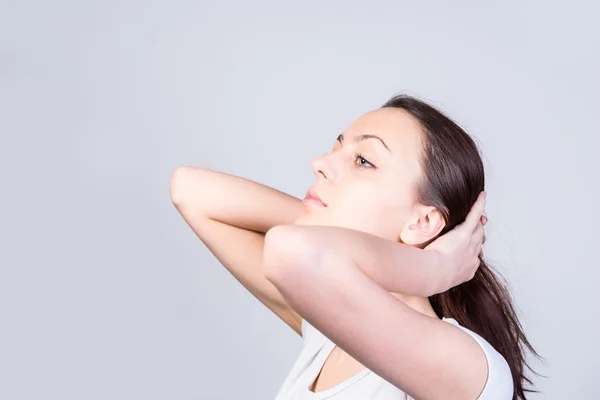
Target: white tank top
column 366, row 385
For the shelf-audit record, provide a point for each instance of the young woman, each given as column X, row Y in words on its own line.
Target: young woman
column 379, row 268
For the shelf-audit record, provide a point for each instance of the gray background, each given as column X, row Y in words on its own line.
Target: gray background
column 105, row 293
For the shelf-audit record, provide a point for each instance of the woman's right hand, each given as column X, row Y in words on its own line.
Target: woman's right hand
column 460, row 249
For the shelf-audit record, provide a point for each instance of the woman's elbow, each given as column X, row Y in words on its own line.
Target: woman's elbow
column 177, row 184
column 289, row 250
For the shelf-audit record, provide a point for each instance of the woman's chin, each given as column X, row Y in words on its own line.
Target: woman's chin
column 306, row 220
column 309, row 219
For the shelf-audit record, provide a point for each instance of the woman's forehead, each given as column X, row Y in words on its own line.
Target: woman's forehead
column 397, row 128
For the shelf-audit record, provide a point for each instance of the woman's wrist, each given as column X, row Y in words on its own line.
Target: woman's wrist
column 438, row 279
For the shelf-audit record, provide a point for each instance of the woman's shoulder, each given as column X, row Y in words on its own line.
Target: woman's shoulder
column 499, row 384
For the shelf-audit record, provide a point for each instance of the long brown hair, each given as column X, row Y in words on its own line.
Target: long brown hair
column 453, row 177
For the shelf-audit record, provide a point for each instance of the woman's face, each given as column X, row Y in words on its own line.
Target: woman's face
column 367, row 181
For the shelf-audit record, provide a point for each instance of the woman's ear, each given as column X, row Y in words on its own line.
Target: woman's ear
column 424, row 226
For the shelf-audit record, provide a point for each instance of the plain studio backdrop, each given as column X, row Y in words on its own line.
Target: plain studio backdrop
column 106, row 293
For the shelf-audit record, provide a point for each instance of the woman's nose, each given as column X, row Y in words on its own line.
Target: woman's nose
column 322, row 168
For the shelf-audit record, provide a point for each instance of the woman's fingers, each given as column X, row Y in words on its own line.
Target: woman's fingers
column 484, row 220
column 474, row 216
column 479, row 235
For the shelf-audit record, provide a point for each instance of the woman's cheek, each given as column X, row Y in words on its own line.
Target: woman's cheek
column 359, row 217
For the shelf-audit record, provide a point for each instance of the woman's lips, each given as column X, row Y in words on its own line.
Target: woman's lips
column 313, row 198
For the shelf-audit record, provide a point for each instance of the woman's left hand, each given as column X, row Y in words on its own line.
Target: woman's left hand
column 460, row 248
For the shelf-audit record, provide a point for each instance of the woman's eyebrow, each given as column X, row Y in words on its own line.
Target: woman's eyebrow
column 360, row 138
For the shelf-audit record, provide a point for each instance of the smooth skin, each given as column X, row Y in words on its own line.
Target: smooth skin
column 231, row 215
column 319, row 270
column 369, row 240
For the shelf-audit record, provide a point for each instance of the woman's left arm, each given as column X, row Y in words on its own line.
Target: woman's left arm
column 318, row 271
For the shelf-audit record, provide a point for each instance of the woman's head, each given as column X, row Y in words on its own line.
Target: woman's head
column 404, row 171
column 416, row 187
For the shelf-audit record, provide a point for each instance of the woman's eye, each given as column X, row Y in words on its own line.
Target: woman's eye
column 362, row 162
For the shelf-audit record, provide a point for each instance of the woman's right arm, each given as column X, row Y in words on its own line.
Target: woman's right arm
column 231, row 215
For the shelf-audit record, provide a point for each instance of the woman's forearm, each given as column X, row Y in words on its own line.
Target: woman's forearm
column 232, row 199
column 396, row 267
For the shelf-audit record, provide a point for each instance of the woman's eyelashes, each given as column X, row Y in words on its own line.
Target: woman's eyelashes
column 362, row 162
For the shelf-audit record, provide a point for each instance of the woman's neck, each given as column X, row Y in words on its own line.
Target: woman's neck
column 417, row 303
